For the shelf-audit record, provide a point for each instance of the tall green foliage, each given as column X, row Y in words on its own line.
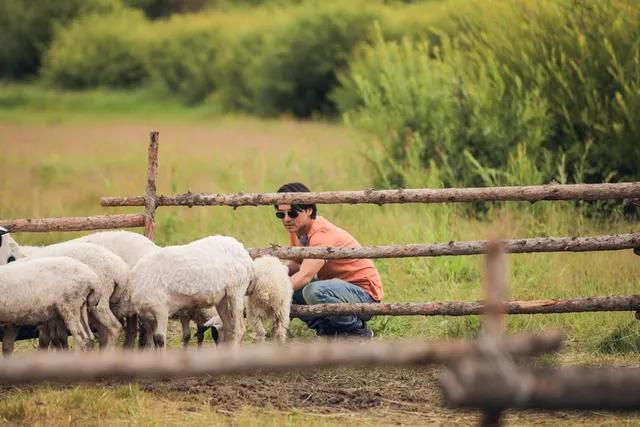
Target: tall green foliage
column 27, row 28
column 424, row 109
column 99, row 51
column 561, row 77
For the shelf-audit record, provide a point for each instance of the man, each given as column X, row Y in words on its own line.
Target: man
column 319, row 281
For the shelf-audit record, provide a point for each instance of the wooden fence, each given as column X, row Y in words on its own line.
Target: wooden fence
column 151, row 201
column 479, row 373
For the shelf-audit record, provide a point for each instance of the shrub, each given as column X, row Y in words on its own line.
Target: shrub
column 585, row 57
column 99, row 51
column 422, row 110
column 561, row 76
column 27, row 27
column 183, row 56
column 297, row 63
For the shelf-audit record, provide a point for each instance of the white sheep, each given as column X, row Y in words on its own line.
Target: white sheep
column 113, row 273
column 207, row 272
column 6, row 255
column 131, row 247
column 269, row 297
column 39, row 290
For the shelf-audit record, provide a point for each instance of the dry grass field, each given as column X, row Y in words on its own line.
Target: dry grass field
column 62, row 168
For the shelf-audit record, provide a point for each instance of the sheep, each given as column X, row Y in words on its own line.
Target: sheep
column 207, row 272
column 35, row 291
column 127, row 245
column 7, row 246
column 269, row 296
column 131, row 247
column 6, row 254
column 113, row 273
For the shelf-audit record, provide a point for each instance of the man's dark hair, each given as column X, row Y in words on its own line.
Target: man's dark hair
column 298, row 187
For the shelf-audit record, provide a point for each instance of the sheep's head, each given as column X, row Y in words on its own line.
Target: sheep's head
column 6, row 255
column 9, row 248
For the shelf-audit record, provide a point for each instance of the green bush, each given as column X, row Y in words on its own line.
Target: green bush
column 562, row 77
column 297, row 62
column 585, row 58
column 99, row 51
column 183, row 56
column 27, row 27
column 426, row 111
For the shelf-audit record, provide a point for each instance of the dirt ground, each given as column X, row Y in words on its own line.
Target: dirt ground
column 380, row 396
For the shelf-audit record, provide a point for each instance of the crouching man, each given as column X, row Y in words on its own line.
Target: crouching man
column 318, row 281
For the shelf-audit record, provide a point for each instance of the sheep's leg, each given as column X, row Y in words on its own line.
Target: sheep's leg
column 186, row 331
column 160, row 331
column 10, row 333
column 108, row 325
column 61, row 336
column 75, row 324
column 200, row 331
column 256, row 320
column 131, row 328
column 225, row 317
column 237, row 307
column 279, row 328
column 45, row 333
column 84, row 323
column 148, row 326
column 142, row 333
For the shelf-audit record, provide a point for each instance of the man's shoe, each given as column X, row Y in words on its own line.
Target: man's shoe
column 363, row 333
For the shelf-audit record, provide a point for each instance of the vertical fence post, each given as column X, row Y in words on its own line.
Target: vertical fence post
column 494, row 319
column 150, row 194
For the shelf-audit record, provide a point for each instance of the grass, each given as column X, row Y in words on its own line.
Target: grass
column 29, row 103
column 62, row 152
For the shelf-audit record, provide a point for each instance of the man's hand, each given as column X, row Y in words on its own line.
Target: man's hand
column 308, row 269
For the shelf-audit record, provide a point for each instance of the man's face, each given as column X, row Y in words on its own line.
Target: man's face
column 293, row 220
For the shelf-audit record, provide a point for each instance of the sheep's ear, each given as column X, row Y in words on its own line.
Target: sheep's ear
column 11, row 259
column 3, row 231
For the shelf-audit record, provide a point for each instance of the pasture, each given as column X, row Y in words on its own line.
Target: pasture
column 60, row 155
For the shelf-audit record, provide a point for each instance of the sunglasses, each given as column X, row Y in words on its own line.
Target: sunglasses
column 292, row 214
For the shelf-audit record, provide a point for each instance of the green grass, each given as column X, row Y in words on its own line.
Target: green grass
column 33, row 104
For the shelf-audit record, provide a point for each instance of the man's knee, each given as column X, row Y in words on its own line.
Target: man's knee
column 314, row 293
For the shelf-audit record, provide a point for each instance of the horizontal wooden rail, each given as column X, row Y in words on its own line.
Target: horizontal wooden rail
column 81, row 223
column 74, row 367
column 473, row 247
column 461, row 308
column 534, row 193
column 566, row 388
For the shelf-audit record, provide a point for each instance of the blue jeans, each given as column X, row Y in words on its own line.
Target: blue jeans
column 331, row 292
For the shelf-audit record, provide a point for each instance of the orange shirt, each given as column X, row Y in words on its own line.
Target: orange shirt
column 360, row 272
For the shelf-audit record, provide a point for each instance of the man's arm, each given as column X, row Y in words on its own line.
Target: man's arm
column 308, row 269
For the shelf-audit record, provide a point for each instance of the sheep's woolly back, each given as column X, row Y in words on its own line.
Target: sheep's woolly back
column 112, row 271
column 272, row 286
column 33, row 289
column 129, row 246
column 200, row 272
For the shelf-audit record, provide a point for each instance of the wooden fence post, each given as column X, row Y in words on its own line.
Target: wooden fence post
column 150, row 195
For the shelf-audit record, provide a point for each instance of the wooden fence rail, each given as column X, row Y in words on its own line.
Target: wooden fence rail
column 473, row 247
column 80, row 223
column 534, row 193
column 91, row 366
column 463, row 308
